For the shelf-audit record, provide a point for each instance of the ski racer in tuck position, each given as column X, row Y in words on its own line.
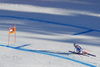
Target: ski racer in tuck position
column 78, row 49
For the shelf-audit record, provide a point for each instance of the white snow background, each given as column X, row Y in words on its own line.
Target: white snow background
column 46, row 31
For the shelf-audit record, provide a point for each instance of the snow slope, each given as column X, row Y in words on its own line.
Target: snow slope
column 46, row 31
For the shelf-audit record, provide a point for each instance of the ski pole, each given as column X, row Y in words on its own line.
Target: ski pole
column 87, row 49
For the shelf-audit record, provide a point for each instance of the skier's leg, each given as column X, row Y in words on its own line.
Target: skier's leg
column 85, row 52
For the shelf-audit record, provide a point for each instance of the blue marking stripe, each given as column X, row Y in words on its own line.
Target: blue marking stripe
column 83, row 32
column 50, row 54
column 32, row 19
column 24, row 18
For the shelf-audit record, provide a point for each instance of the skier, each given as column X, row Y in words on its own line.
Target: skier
column 78, row 49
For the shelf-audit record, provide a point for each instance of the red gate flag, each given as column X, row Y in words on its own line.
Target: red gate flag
column 12, row 30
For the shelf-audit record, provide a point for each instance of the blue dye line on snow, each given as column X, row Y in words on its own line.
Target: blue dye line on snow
column 83, row 32
column 50, row 54
column 23, row 45
column 89, row 30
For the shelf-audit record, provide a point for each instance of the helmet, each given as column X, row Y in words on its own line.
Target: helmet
column 75, row 44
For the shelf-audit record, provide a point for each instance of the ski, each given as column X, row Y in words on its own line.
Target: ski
column 83, row 54
column 91, row 55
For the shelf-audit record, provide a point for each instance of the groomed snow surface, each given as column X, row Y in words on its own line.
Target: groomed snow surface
column 46, row 31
